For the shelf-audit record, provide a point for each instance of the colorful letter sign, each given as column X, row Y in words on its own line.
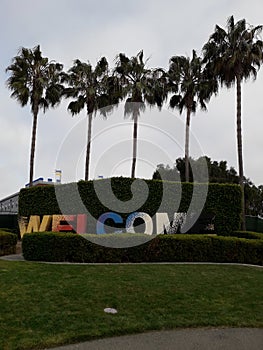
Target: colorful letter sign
column 158, row 224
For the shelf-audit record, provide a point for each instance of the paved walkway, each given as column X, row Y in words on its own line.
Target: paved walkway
column 184, row 339
column 13, row 257
column 180, row 339
column 19, row 257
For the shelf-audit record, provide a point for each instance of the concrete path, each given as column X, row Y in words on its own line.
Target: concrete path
column 19, row 257
column 13, row 257
column 184, row 339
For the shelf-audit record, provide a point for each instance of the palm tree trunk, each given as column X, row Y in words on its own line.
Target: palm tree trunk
column 187, row 128
column 240, row 154
column 88, row 147
column 33, row 146
column 134, row 151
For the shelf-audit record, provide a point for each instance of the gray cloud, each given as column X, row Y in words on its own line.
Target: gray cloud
column 87, row 30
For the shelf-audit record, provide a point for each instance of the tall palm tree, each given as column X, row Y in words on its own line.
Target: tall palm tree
column 36, row 80
column 233, row 55
column 93, row 88
column 190, row 85
column 140, row 85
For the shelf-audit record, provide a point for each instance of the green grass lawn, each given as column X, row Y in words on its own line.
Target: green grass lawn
column 44, row 305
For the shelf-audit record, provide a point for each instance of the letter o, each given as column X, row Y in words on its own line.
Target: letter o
column 145, row 217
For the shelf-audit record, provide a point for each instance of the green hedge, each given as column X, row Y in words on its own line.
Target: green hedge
column 8, row 242
column 247, row 234
column 9, row 221
column 163, row 248
column 223, row 200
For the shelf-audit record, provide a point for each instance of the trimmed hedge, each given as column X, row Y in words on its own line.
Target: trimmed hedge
column 9, row 221
column 8, row 242
column 247, row 234
column 163, row 248
column 223, row 200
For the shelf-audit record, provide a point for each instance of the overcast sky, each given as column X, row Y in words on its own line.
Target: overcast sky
column 88, row 30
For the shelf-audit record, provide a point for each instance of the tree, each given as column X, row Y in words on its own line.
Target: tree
column 140, row 85
column 232, row 56
column 253, row 199
column 165, row 172
column 191, row 86
column 36, row 80
column 218, row 173
column 92, row 88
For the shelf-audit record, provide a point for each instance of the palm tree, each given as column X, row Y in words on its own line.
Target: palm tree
column 36, row 80
column 92, row 88
column 233, row 55
column 190, row 84
column 140, row 85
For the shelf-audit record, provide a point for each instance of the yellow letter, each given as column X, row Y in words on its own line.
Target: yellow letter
column 22, row 223
column 34, row 223
column 45, row 224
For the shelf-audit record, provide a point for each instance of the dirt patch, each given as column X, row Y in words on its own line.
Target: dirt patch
column 19, row 247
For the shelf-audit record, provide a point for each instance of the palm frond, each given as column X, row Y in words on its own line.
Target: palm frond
column 175, row 100
column 76, row 106
column 33, row 78
column 133, row 109
column 234, row 52
column 193, row 82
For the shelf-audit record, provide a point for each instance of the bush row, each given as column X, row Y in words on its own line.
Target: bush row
column 9, row 221
column 223, row 200
column 8, row 242
column 163, row 248
column 247, row 234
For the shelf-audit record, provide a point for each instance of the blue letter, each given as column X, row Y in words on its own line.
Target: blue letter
column 110, row 215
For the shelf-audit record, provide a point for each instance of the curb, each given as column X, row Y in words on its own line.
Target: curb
column 19, row 257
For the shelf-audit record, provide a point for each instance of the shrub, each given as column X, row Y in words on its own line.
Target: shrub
column 8, row 242
column 6, row 229
column 247, row 234
column 9, row 222
column 162, row 248
column 223, row 200
column 237, row 250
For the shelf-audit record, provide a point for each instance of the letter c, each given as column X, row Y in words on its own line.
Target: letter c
column 110, row 215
